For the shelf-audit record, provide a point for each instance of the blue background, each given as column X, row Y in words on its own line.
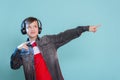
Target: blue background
column 93, row 56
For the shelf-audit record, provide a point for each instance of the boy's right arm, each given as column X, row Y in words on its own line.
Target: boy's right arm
column 16, row 60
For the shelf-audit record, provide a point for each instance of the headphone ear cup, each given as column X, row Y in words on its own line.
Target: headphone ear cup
column 23, row 31
column 40, row 26
column 40, row 29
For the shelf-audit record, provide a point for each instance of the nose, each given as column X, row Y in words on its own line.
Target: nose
column 32, row 27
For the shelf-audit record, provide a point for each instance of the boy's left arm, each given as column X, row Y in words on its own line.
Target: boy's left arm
column 68, row 35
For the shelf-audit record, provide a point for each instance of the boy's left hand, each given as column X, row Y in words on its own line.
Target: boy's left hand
column 93, row 28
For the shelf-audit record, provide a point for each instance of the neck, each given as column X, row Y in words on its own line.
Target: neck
column 32, row 39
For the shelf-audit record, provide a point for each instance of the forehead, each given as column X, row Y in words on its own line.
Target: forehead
column 34, row 23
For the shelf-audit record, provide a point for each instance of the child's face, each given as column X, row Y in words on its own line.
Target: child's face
column 32, row 29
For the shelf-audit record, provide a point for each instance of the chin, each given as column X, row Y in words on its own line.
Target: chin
column 32, row 36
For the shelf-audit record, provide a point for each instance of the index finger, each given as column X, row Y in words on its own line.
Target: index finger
column 27, row 42
column 98, row 25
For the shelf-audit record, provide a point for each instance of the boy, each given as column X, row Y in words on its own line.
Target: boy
column 39, row 55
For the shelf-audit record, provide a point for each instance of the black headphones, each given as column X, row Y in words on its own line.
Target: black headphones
column 30, row 20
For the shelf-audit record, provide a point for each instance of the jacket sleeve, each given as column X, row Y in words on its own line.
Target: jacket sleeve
column 68, row 35
column 16, row 60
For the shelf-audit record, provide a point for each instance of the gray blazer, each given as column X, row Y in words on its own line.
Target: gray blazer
column 48, row 46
